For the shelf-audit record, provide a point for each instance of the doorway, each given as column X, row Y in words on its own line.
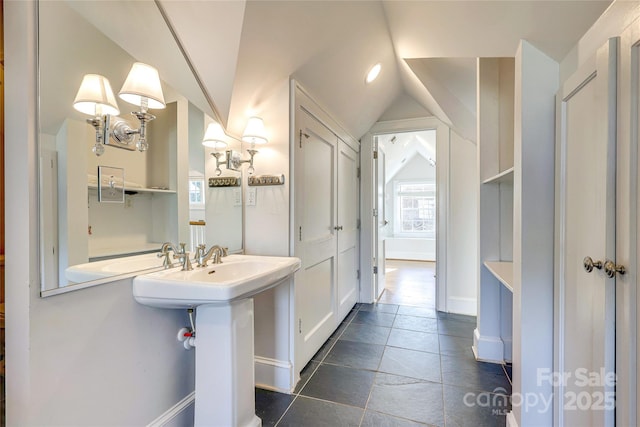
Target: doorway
column 406, row 200
column 388, row 178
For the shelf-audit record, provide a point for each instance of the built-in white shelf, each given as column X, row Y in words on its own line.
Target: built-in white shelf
column 141, row 190
column 124, row 250
column 504, row 176
column 503, row 271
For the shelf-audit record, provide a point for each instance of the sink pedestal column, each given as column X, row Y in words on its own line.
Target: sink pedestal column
column 225, row 394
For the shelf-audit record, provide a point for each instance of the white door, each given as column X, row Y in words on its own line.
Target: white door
column 347, row 225
column 585, row 299
column 627, row 222
column 380, row 220
column 316, row 240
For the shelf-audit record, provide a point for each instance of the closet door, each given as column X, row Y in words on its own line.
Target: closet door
column 348, row 236
column 316, row 234
column 627, row 223
column 585, row 298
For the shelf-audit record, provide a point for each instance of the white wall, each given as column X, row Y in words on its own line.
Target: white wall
column 462, row 256
column 267, row 223
column 77, row 358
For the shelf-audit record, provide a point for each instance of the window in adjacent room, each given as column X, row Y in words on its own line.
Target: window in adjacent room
column 196, row 192
column 415, row 214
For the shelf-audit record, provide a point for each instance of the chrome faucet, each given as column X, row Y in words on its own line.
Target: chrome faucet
column 182, row 255
column 216, row 252
column 164, row 252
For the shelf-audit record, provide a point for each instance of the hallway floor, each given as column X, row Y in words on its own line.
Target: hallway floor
column 395, row 363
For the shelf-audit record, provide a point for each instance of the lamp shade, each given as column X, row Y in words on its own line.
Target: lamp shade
column 142, row 82
column 95, row 96
column 254, row 132
column 214, row 136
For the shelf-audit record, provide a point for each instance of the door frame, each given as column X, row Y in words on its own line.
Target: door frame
column 381, row 214
column 367, row 202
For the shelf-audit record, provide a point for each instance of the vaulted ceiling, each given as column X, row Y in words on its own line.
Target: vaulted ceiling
column 242, row 50
column 427, row 50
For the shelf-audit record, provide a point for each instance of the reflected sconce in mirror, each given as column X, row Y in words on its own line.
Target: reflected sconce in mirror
column 95, row 98
column 214, row 138
column 254, row 133
column 142, row 88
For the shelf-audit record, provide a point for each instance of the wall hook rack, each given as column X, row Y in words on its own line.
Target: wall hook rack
column 224, row 181
column 262, row 180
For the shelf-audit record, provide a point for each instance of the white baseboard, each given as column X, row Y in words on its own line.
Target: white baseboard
column 180, row 414
column 276, row 375
column 511, row 420
column 458, row 305
column 488, row 349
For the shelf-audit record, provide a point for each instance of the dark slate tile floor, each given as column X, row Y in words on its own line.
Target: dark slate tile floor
column 397, row 363
column 394, row 365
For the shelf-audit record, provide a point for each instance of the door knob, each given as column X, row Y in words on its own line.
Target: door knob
column 611, row 268
column 386, row 222
column 589, row 264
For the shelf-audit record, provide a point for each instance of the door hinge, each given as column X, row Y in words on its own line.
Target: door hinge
column 375, row 269
column 358, row 225
column 358, row 173
column 300, row 234
column 375, row 212
column 358, row 274
column 375, row 154
column 299, row 326
column 306, row 135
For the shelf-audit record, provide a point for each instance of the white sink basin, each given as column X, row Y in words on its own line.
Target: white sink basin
column 239, row 276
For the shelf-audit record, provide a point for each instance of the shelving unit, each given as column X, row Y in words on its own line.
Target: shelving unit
column 504, row 176
column 139, row 190
column 516, row 150
column 503, row 271
column 492, row 337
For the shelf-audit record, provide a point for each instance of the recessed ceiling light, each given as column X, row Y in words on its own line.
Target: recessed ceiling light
column 373, row 73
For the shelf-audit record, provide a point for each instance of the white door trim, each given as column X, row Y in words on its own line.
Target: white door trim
column 367, row 289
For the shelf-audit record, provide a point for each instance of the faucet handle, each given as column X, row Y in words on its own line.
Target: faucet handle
column 200, row 250
column 183, row 257
column 225, row 251
column 182, row 247
column 186, row 263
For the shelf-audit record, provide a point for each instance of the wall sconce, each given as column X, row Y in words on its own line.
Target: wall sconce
column 95, row 98
column 142, row 88
column 213, row 138
column 254, row 133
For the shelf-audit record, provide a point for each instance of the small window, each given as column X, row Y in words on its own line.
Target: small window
column 196, row 192
column 415, row 213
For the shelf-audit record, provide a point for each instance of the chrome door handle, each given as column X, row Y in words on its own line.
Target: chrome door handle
column 611, row 268
column 338, row 227
column 589, row 264
column 386, row 222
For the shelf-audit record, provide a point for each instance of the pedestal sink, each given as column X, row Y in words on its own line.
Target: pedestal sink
column 222, row 295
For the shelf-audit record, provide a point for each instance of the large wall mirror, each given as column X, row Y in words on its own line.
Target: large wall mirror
column 165, row 195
